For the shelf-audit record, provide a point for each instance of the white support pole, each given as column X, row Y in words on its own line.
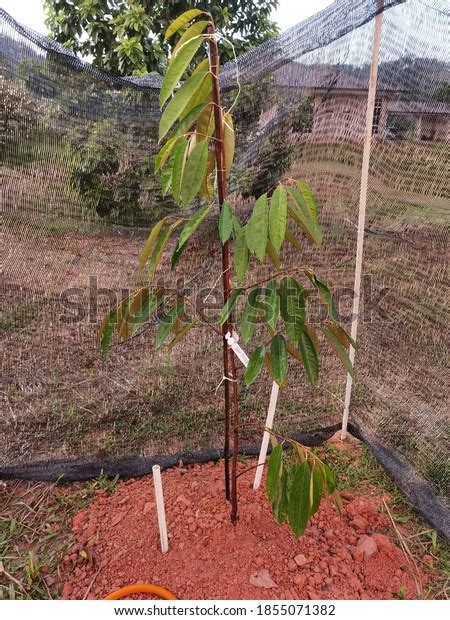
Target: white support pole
column 160, row 508
column 266, row 436
column 362, row 205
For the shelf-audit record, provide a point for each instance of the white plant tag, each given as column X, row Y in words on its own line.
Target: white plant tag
column 237, row 349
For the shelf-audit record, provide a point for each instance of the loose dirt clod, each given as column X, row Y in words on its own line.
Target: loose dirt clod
column 209, row 558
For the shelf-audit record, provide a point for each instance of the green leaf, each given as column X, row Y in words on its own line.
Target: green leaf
column 240, row 256
column 134, row 304
column 344, row 339
column 193, row 31
column 256, row 230
column 280, row 504
column 192, row 225
column 299, row 505
column 298, row 211
column 271, row 304
column 181, row 334
column 309, row 357
column 207, row 188
column 335, row 496
column 167, row 323
column 160, row 246
column 315, row 489
column 178, row 103
column 328, row 477
column 274, row 472
column 229, row 141
column 165, row 178
column 177, row 67
column 187, row 122
column 339, row 349
column 194, row 171
column 225, row 222
column 205, row 123
column 290, row 238
column 277, row 217
column 230, row 303
column 272, row 254
column 181, row 21
column 202, row 67
column 313, row 335
column 279, row 359
column 106, row 331
column 324, row 293
column 179, row 162
column 148, row 306
column 202, row 95
column 249, row 315
column 254, row 365
column 311, row 205
column 293, row 307
column 150, row 243
column 164, row 153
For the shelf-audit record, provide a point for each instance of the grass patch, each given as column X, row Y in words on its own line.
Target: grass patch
column 18, row 316
column 35, row 534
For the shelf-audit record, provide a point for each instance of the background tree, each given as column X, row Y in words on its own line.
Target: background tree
column 126, row 37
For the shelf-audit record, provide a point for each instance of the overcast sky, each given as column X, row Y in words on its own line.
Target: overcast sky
column 290, row 12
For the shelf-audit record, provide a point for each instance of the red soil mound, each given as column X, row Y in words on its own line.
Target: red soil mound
column 338, row 557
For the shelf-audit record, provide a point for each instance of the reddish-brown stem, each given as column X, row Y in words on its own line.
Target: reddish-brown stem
column 228, row 362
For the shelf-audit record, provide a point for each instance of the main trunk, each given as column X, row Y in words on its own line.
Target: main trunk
column 229, row 366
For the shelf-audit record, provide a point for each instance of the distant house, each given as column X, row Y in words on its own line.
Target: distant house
column 419, row 120
column 337, row 99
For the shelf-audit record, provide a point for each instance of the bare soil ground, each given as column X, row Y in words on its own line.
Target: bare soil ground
column 86, row 540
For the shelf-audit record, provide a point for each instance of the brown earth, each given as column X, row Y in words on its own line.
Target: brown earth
column 338, row 557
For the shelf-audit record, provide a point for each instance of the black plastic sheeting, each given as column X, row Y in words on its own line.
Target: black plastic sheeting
column 415, row 489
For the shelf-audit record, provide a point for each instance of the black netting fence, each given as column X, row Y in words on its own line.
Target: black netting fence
column 79, row 196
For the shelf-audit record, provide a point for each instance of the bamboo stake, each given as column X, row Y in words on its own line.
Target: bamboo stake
column 266, row 435
column 156, row 470
column 362, row 207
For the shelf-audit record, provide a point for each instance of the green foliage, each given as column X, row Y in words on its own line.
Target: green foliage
column 225, row 222
column 254, row 365
column 249, row 315
column 110, row 181
column 309, row 357
column 167, row 324
column 241, row 253
column 275, row 157
column 256, row 230
column 277, row 217
column 442, row 92
column 189, row 229
column 127, row 38
column 293, row 308
column 279, row 358
column 271, row 311
column 297, row 480
column 229, row 305
column 188, row 163
column 302, row 118
column 194, row 172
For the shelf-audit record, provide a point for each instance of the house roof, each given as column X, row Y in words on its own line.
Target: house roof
column 327, row 77
column 418, row 107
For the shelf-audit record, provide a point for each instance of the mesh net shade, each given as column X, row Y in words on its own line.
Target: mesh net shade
column 79, row 196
